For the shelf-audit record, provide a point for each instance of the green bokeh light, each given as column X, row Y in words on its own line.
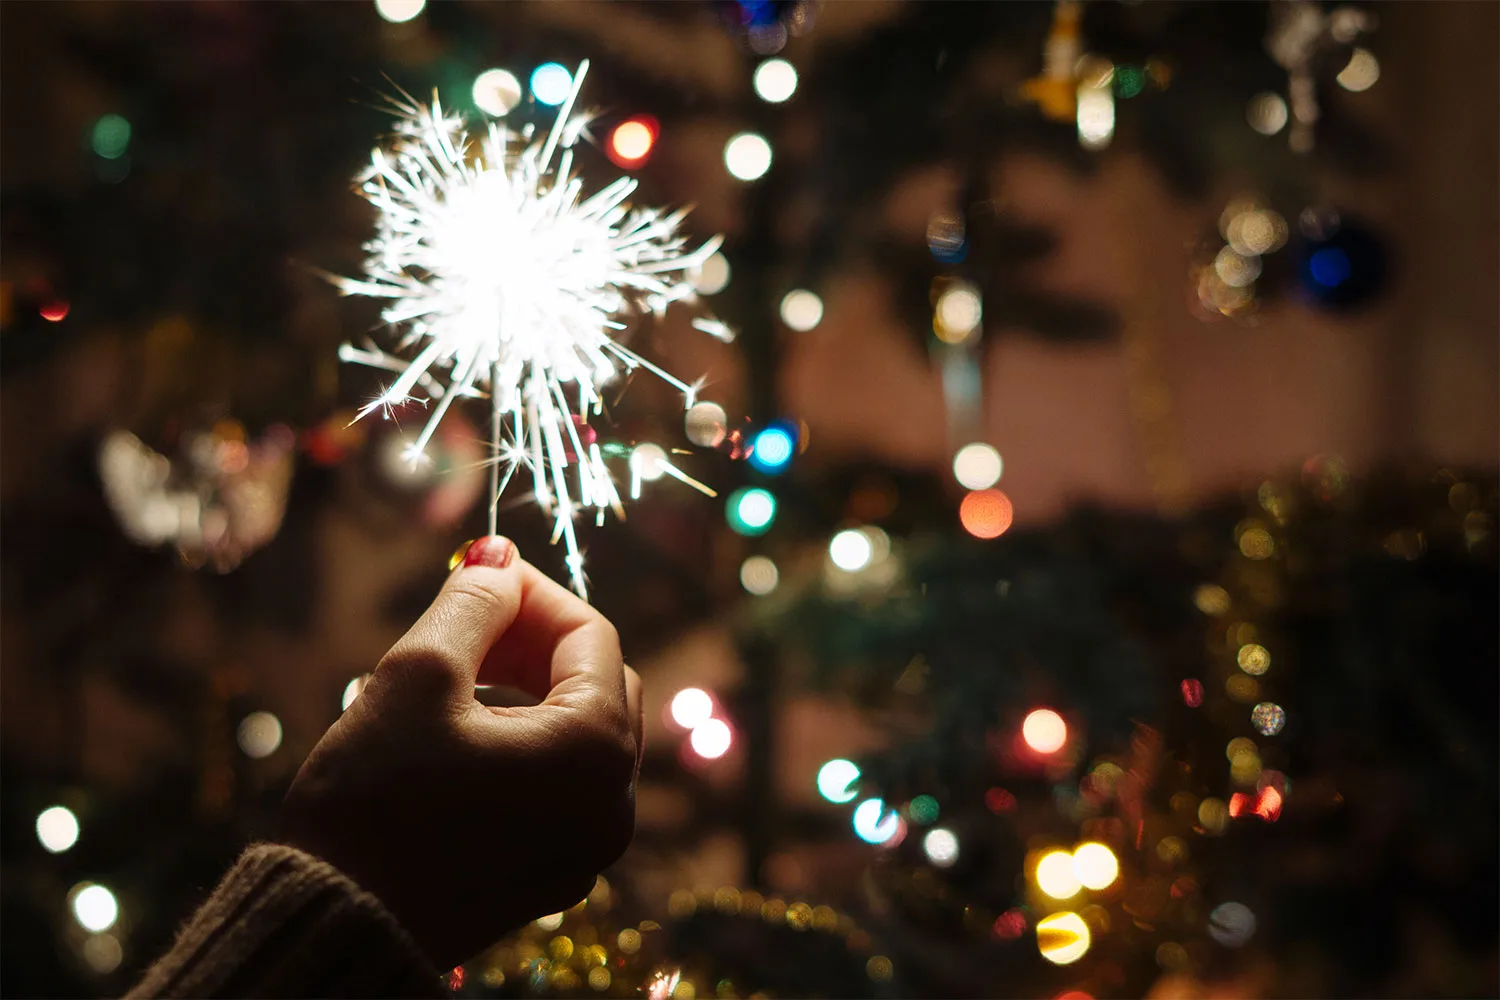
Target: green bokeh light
column 111, row 137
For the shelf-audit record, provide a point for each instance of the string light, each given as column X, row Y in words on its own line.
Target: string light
column 94, row 907
column 772, row 449
column 1361, row 72
column 632, row 140
column 1055, row 875
column 110, row 137
column 692, row 707
column 710, row 277
column 751, row 511
column 1062, row 938
column 941, row 847
column 54, row 312
column 775, row 80
column 977, row 466
column 759, row 575
column 836, row 780
column 874, row 823
column 1095, row 865
column 851, row 550
column 712, row 739
column 57, row 828
column 747, row 155
column 259, row 734
column 986, row 513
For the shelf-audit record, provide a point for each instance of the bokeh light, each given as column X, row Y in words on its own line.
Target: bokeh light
column 110, row 137
column 648, row 461
column 399, row 11
column 1231, row 924
column 850, row 550
column 55, row 311
column 496, row 92
column 801, row 310
column 946, row 237
column 691, row 707
column 1044, row 731
column 706, row 424
column 259, row 734
column 985, row 513
column 1268, row 718
column 1254, row 659
column 103, row 953
column 759, row 575
column 551, row 83
column 1055, row 875
column 94, row 907
column 1095, row 865
column 710, row 277
column 977, row 466
column 751, row 511
column 1267, row 113
column 772, row 449
column 353, row 690
column 1062, row 938
column 874, row 823
column 747, row 156
column 836, row 780
column 1361, row 72
column 631, row 141
column 775, row 80
column 1192, row 692
column 712, row 739
column 941, row 847
column 1235, row 269
column 57, row 828
column 923, row 809
column 958, row 313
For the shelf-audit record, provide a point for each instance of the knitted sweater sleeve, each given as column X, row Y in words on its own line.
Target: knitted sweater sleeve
column 285, row 924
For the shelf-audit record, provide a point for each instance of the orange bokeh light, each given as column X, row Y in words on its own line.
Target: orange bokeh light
column 631, row 142
column 55, row 312
column 985, row 513
column 1044, row 731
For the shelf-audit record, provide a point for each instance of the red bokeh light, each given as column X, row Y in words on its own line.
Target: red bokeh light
column 1010, row 925
column 55, row 312
column 1192, row 692
column 631, row 142
column 999, row 801
column 985, row 513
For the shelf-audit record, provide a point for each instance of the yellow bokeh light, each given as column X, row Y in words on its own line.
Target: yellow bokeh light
column 1044, row 731
column 1254, row 659
column 1095, row 866
column 1211, row 599
column 1055, row 875
column 1062, row 938
column 632, row 140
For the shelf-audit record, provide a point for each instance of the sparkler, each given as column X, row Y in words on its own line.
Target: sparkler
column 509, row 284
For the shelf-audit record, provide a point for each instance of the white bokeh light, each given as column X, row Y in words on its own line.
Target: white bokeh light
column 57, row 828
column 941, row 847
column 259, row 734
column 496, row 92
column 692, row 707
column 353, row 690
column 775, row 80
column 977, row 466
column 874, row 823
column 747, row 155
column 836, row 780
column 399, row 11
column 94, row 907
column 648, row 461
column 712, row 739
column 850, row 550
column 551, row 83
column 759, row 575
column 710, row 277
column 801, row 310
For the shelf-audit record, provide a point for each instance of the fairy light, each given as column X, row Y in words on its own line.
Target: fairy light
column 801, row 310
column 759, row 575
column 775, row 81
column 259, row 734
column 399, row 11
column 712, row 739
column 977, row 466
column 1044, row 731
column 94, row 907
column 1055, row 875
column 692, row 707
column 1062, row 938
column 632, row 140
column 496, row 92
column 874, row 823
column 836, row 780
column 751, row 511
column 1095, row 865
column 851, row 550
column 508, row 283
column 747, row 156
column 941, row 847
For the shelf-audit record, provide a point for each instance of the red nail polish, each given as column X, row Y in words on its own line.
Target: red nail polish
column 492, row 550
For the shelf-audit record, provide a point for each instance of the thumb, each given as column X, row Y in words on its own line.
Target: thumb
column 478, row 602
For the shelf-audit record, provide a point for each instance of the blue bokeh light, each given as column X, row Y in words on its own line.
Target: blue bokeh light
column 773, row 448
column 551, row 83
column 1330, row 267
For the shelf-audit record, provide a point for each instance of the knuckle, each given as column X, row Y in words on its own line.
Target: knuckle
column 413, row 662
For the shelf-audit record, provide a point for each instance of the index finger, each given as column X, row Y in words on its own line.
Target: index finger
column 558, row 649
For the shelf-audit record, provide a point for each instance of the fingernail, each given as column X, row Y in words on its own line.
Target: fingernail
column 496, row 551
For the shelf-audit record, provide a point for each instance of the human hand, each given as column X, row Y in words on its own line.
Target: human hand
column 468, row 820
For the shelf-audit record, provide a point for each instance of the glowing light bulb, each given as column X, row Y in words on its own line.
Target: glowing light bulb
column 692, row 707
column 259, row 734
column 57, row 828
column 496, row 92
column 1062, row 938
column 874, row 823
column 712, row 739
column 551, row 83
column 850, row 550
column 1044, row 731
column 941, row 847
column 759, row 575
column 747, row 156
column 836, row 780
column 977, row 466
column 1095, row 865
column 801, row 310
column 1055, row 875
column 399, row 11
column 94, row 907
column 775, row 80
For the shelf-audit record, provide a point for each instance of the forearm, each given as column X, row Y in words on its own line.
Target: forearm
column 283, row 923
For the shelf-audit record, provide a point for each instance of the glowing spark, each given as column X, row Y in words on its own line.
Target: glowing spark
column 509, row 283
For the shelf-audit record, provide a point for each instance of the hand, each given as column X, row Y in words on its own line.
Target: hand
column 468, row 820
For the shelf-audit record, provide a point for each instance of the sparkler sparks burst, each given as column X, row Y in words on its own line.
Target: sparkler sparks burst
column 509, row 284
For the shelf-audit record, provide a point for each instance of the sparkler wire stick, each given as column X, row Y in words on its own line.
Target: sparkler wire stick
column 506, row 280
